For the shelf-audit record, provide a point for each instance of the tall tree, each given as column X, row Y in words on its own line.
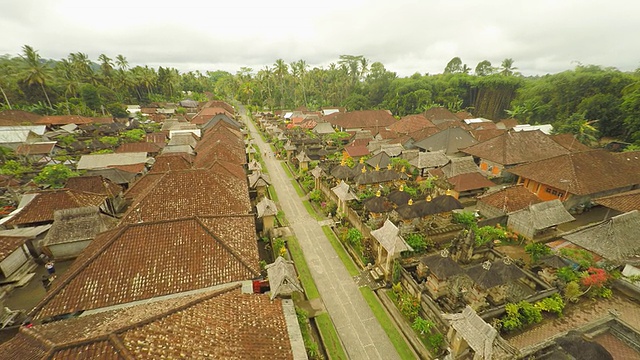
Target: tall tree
column 35, row 71
column 507, row 68
column 484, row 68
column 453, row 66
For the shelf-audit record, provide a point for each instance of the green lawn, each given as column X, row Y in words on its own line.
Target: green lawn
column 311, row 210
column 332, row 343
column 342, row 253
column 303, row 269
column 272, row 193
column 394, row 335
column 286, row 169
column 298, row 188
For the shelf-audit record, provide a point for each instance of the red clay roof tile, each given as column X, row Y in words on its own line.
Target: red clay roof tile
column 142, row 261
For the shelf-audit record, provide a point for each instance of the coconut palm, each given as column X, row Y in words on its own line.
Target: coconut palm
column 507, row 67
column 34, row 70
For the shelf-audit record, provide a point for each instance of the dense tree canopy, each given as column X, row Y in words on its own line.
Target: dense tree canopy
column 605, row 99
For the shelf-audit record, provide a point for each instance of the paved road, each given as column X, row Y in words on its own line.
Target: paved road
column 360, row 332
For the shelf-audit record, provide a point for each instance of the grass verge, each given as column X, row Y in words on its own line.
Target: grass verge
column 272, row 193
column 311, row 210
column 303, row 269
column 387, row 325
column 342, row 253
column 330, row 338
column 298, row 188
column 286, row 170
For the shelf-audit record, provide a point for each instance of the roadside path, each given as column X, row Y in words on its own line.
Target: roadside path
column 360, row 332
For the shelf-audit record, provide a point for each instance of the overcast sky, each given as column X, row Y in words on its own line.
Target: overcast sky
column 541, row 36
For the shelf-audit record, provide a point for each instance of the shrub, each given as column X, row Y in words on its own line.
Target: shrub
column 54, row 175
column 487, row 234
column 572, row 291
column 567, row 274
column 134, row 135
column 583, row 258
column 553, row 304
column 110, row 140
column 354, row 238
column 417, row 242
column 594, row 276
column 537, row 250
column 315, row 196
column 409, row 306
column 465, row 218
column 422, row 325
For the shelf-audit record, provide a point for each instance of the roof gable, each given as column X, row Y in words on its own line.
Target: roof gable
column 512, row 148
column 216, row 318
column 450, row 141
column 615, row 239
column 510, row 199
column 174, row 194
column 185, row 254
column 573, row 172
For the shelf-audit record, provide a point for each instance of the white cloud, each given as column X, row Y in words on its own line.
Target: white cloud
column 407, row 36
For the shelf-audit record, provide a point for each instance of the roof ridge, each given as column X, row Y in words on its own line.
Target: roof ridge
column 226, row 246
column 182, row 307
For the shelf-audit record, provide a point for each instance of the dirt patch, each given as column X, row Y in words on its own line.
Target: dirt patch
column 514, row 252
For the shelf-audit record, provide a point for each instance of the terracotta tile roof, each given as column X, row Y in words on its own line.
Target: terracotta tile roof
column 221, row 324
column 101, row 120
column 463, row 115
column 17, row 117
column 157, row 137
column 574, row 172
column 447, row 124
column 162, row 258
column 507, row 123
column 486, row 134
column 9, row 244
column 42, row 148
column 424, row 133
column 450, row 141
column 439, row 113
column 41, row 208
column 190, row 192
column 132, row 168
column 510, row 199
column 386, row 134
column 623, row 202
column 469, row 181
column 364, row 119
column 514, row 148
column 143, row 185
column 172, row 161
column 230, row 168
column 220, row 143
column 410, row 124
column 8, row 181
column 63, row 120
column 94, row 184
column 569, row 142
column 207, row 114
column 485, row 125
column 220, row 104
column 356, row 151
column 148, row 147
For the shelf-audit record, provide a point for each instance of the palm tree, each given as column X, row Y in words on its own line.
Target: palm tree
column 507, row 67
column 122, row 62
column 34, row 70
column 281, row 70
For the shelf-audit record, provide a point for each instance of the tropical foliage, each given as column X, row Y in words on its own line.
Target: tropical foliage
column 589, row 101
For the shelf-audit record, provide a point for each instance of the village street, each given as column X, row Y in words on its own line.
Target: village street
column 360, row 332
